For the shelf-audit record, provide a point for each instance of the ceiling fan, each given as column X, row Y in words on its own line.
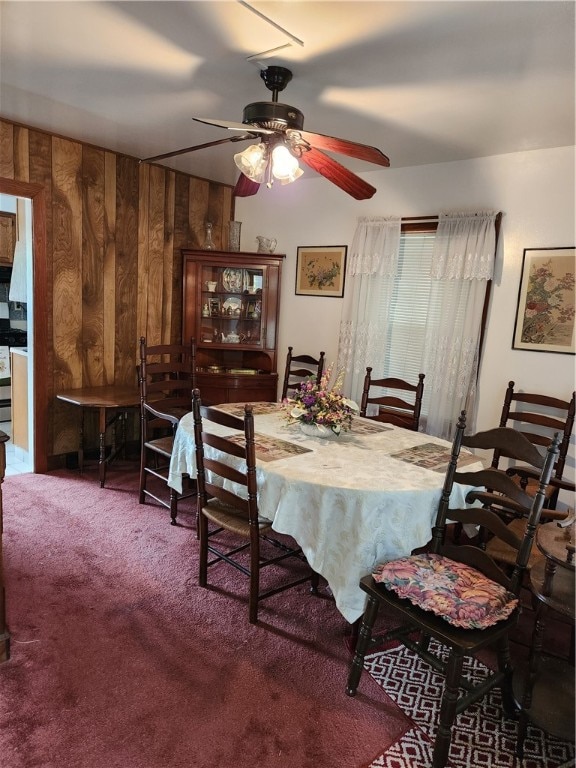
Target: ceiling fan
column 283, row 142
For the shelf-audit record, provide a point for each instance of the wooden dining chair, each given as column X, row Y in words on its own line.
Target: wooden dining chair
column 301, row 367
column 229, row 525
column 538, row 417
column 457, row 594
column 167, row 376
column 393, row 408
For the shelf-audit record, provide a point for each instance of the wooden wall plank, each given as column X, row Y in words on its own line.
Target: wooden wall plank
column 67, row 261
column 143, row 249
column 127, row 202
column 21, row 153
column 7, row 150
column 67, row 273
column 215, row 206
column 155, row 282
column 182, row 239
column 109, row 276
column 92, row 266
column 198, row 211
column 169, row 332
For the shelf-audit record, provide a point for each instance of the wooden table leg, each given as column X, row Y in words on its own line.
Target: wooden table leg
column 102, row 456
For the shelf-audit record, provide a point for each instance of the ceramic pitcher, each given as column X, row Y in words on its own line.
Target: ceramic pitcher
column 266, row 244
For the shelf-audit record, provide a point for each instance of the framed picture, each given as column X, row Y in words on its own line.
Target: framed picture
column 546, row 301
column 321, row 270
column 214, row 307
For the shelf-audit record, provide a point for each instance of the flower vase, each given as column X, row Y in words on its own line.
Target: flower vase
column 234, row 235
column 317, row 430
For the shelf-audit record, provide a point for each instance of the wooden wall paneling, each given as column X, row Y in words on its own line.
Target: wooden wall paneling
column 182, row 239
column 6, row 150
column 107, row 211
column 40, row 163
column 127, row 206
column 198, row 211
column 169, row 318
column 143, row 246
column 109, row 276
column 92, row 266
column 21, row 153
column 215, row 214
column 67, row 271
column 155, row 280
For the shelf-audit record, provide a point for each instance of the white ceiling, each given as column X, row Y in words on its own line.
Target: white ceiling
column 425, row 82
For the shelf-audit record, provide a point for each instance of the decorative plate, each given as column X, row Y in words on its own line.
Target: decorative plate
column 233, row 303
column 232, row 280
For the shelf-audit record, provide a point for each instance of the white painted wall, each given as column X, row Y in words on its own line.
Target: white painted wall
column 535, row 191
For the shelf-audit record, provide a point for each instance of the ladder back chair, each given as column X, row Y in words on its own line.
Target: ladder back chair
column 393, row 408
column 230, row 529
column 167, row 377
column 457, row 594
column 300, row 367
column 538, row 417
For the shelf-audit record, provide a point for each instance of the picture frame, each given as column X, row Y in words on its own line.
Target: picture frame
column 215, row 307
column 546, row 308
column 321, row 270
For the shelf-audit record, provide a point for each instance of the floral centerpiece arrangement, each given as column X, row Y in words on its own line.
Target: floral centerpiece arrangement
column 324, row 410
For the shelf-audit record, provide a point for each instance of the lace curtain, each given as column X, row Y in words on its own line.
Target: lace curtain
column 372, row 265
column 464, row 251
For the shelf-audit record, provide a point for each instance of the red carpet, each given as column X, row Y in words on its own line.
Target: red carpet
column 119, row 659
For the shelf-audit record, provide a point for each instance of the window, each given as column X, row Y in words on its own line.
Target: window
column 409, row 307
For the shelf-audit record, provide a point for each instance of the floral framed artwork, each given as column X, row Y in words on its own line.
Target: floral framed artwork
column 321, row 270
column 546, row 301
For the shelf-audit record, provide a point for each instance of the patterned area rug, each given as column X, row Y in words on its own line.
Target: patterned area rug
column 481, row 738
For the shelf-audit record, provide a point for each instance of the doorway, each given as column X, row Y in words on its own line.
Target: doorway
column 39, row 364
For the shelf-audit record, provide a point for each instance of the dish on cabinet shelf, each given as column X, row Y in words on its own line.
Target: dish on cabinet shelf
column 232, row 305
column 232, row 279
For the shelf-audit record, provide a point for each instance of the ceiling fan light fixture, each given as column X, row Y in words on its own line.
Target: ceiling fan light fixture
column 285, row 166
column 253, row 162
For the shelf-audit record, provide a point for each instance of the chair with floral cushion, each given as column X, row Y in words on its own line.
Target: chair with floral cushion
column 457, row 594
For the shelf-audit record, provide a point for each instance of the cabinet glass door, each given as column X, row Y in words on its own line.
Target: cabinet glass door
column 231, row 306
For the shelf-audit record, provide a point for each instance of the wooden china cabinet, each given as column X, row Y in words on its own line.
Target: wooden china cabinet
column 230, row 305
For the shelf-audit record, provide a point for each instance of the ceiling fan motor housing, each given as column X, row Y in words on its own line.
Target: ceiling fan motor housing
column 273, row 115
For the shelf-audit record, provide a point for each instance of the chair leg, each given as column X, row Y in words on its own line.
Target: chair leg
column 314, row 582
column 203, row 554
column 254, row 581
column 509, row 704
column 173, row 506
column 448, row 709
column 362, row 643
column 142, row 495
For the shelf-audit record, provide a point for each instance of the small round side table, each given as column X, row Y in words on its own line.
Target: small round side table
column 547, row 695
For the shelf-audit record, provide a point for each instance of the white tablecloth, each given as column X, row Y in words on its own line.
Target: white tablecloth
column 347, row 501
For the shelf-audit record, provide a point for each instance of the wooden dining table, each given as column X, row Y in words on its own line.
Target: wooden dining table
column 350, row 502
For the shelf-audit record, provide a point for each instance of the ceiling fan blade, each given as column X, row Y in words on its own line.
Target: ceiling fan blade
column 232, row 126
column 345, row 147
column 193, row 149
column 245, row 187
column 338, row 174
